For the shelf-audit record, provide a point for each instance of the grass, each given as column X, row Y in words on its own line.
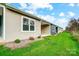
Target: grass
column 62, row 44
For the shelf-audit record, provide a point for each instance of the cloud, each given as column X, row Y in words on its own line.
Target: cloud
column 48, row 18
column 77, row 4
column 72, row 4
column 36, row 5
column 71, row 14
column 32, row 7
column 61, row 14
column 30, row 11
column 23, row 5
column 62, row 22
column 42, row 5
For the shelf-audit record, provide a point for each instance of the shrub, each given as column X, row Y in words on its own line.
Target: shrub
column 17, row 41
column 31, row 38
column 39, row 37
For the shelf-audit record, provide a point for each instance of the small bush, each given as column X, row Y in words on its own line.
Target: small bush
column 39, row 37
column 17, row 41
column 31, row 38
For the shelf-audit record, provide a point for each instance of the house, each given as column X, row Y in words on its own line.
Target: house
column 15, row 23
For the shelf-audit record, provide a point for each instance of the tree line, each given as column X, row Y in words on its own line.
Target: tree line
column 73, row 25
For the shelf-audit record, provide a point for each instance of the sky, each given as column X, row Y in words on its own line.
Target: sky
column 56, row 13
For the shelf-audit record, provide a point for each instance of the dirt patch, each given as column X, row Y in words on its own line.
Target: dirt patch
column 2, row 42
column 23, row 43
column 14, row 45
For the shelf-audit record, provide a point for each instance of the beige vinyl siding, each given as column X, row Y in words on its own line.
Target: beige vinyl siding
column 45, row 30
column 60, row 30
column 13, row 27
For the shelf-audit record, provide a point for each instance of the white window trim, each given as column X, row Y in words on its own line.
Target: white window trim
column 3, row 35
column 29, row 24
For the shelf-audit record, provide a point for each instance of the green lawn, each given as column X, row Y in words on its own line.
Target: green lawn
column 61, row 44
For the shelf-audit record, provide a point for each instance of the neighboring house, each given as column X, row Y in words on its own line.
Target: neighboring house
column 15, row 24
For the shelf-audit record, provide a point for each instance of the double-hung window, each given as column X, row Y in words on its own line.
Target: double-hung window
column 32, row 25
column 25, row 24
column 28, row 25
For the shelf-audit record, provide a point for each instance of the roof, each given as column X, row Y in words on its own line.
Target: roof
column 20, row 11
column 57, row 26
column 25, row 13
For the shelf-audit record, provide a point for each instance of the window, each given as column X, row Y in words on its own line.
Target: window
column 32, row 25
column 1, row 21
column 25, row 24
column 28, row 25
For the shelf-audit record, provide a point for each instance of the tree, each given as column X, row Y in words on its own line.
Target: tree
column 73, row 25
